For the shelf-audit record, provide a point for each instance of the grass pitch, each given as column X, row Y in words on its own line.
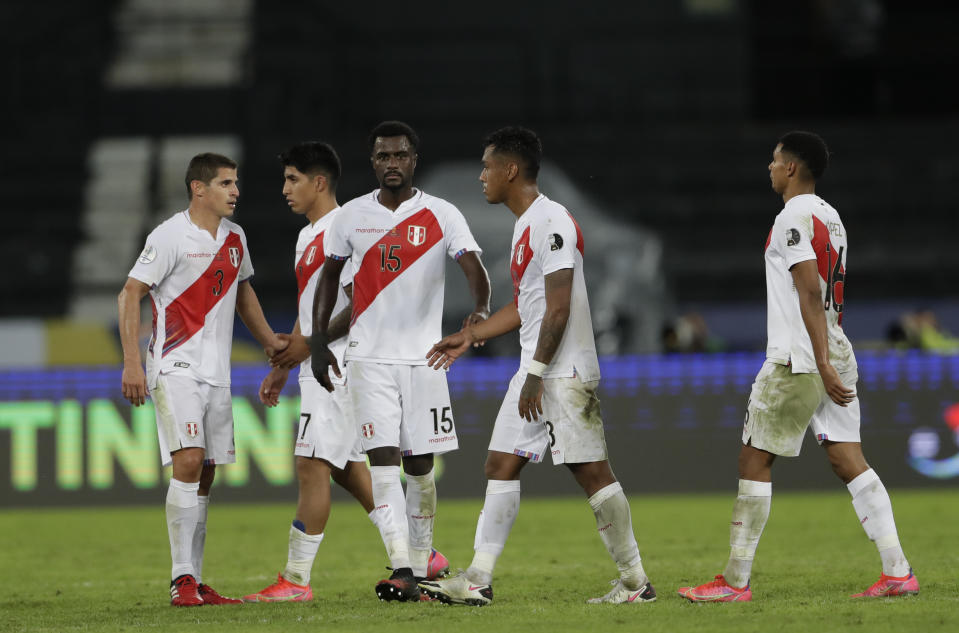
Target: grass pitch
column 107, row 569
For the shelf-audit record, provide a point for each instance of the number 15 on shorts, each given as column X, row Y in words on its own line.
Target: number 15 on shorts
column 442, row 420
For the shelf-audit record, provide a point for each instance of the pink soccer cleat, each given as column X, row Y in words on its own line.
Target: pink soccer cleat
column 890, row 586
column 282, row 591
column 437, row 567
column 717, row 590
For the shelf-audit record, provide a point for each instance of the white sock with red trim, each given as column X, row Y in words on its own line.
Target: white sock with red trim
column 389, row 503
column 615, row 525
column 750, row 513
column 493, row 528
column 182, row 512
column 874, row 509
column 420, row 515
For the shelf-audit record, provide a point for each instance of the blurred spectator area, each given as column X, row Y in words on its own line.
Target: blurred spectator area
column 664, row 113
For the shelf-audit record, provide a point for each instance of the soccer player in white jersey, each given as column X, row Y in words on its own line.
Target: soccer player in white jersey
column 328, row 442
column 196, row 268
column 551, row 404
column 807, row 381
column 398, row 238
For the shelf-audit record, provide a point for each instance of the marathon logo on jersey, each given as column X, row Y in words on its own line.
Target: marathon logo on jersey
column 520, row 250
column 792, row 237
column 555, row 242
column 368, row 430
column 192, row 429
column 235, row 256
column 415, row 235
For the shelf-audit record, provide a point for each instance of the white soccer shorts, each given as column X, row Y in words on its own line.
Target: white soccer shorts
column 192, row 414
column 402, row 405
column 570, row 429
column 326, row 429
column 782, row 405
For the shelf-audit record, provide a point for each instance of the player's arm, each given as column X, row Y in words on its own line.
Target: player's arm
column 559, row 291
column 321, row 358
column 478, row 280
column 451, row 347
column 133, row 381
column 340, row 324
column 297, row 351
column 251, row 313
column 806, row 279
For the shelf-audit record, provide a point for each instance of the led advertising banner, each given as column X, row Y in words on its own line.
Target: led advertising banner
column 673, row 423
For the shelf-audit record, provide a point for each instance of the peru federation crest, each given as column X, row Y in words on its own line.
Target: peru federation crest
column 367, row 430
column 415, row 235
column 192, row 429
column 234, row 256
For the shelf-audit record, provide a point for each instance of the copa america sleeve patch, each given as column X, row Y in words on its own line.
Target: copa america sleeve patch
column 555, row 241
column 792, row 237
column 147, row 255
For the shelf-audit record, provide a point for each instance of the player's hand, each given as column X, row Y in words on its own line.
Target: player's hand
column 297, row 351
column 321, row 359
column 272, row 385
column 133, row 382
column 531, row 398
column 838, row 392
column 280, row 342
column 451, row 347
column 473, row 318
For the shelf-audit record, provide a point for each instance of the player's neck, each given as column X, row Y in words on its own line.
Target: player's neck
column 321, row 208
column 209, row 222
column 522, row 198
column 798, row 188
column 392, row 199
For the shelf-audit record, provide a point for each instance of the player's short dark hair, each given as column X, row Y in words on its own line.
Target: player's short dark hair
column 519, row 142
column 387, row 129
column 808, row 148
column 312, row 158
column 203, row 167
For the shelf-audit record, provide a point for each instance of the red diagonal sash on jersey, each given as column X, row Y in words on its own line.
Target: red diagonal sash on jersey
column 187, row 313
column 522, row 256
column 393, row 255
column 831, row 269
column 580, row 242
column 311, row 259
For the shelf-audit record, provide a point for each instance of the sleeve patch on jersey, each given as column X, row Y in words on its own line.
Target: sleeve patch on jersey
column 147, row 255
column 792, row 237
column 555, row 242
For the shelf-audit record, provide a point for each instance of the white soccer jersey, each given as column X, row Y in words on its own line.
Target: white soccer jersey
column 310, row 257
column 193, row 280
column 399, row 273
column 806, row 229
column 546, row 238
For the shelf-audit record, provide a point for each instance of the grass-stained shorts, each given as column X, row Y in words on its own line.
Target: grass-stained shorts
column 570, row 429
column 782, row 405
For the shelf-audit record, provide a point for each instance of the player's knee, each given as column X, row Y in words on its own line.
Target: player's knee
column 309, row 471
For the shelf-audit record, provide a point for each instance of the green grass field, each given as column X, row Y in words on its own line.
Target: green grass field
column 106, row 569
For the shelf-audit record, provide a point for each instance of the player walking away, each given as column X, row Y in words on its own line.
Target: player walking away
column 551, row 405
column 808, row 379
column 196, row 267
column 397, row 237
column 328, row 442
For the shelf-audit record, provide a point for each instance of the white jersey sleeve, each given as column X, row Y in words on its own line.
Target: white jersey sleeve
column 792, row 236
column 459, row 239
column 157, row 259
column 554, row 243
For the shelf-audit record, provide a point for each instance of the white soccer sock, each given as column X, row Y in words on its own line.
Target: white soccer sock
column 182, row 511
column 615, row 525
column 874, row 509
column 302, row 552
column 199, row 536
column 750, row 513
column 420, row 513
column 390, row 504
column 493, row 528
